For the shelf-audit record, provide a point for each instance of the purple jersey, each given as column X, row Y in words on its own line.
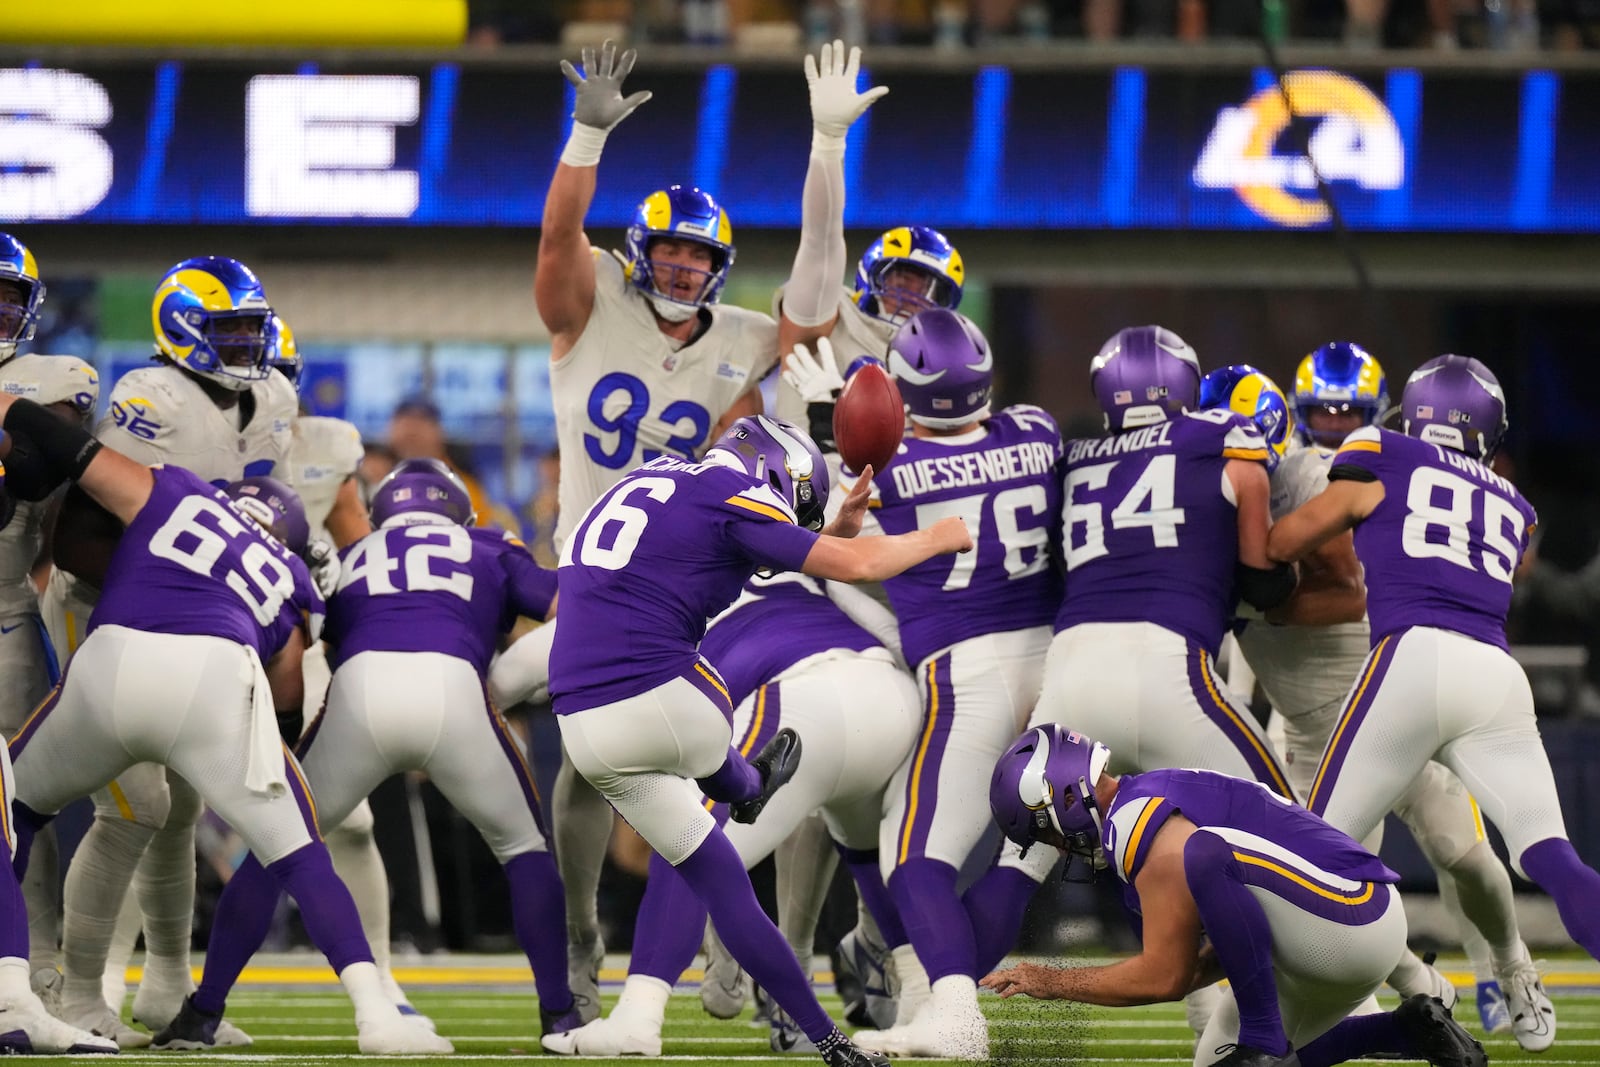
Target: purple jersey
column 434, row 588
column 657, row 555
column 1149, row 526
column 776, row 623
column 1004, row 480
column 189, row 563
column 1442, row 546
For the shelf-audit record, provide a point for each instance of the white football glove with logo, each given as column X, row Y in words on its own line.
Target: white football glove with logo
column 324, row 563
column 815, row 377
column 835, row 104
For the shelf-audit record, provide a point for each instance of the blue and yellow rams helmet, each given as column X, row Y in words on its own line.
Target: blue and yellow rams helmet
column 212, row 318
column 882, row 288
column 1246, row 391
column 283, row 353
column 1340, row 377
column 681, row 213
column 21, row 297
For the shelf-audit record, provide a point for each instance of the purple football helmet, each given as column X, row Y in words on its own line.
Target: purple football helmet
column 1144, row 375
column 1044, row 785
column 275, row 508
column 944, row 368
column 1457, row 402
column 782, row 455
column 421, row 492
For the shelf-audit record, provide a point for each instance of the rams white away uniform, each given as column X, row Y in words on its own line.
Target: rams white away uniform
column 323, row 454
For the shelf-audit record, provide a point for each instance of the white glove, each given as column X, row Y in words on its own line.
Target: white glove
column 814, row 377
column 835, row 104
column 324, row 563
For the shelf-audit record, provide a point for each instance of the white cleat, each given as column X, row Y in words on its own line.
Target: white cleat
column 46, row 983
column 606, row 1037
column 398, row 1036
column 26, row 1027
column 963, row 1036
column 230, row 1036
column 97, row 1018
column 1533, row 1017
column 723, row 989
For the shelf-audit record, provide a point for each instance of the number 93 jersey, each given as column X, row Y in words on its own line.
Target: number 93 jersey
column 1149, row 526
column 189, row 563
column 446, row 589
column 1441, row 547
column 626, row 393
column 1003, row 478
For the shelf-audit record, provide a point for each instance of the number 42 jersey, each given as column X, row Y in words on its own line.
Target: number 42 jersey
column 1441, row 547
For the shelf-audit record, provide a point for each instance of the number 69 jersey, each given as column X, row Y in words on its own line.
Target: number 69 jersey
column 446, row 589
column 189, row 563
column 1441, row 547
column 1003, row 479
column 1150, row 530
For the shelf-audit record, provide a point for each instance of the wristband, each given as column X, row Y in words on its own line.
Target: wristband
column 827, row 145
column 584, row 145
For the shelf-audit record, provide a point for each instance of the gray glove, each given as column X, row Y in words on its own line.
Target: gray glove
column 600, row 102
column 323, row 562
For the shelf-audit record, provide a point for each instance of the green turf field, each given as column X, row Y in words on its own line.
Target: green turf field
column 311, row 1023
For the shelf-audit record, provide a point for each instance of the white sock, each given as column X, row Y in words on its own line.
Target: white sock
column 581, row 821
column 41, row 891
column 955, row 991
column 1410, row 977
column 164, row 885
column 372, row 1004
column 359, row 865
column 14, row 973
column 803, row 867
column 914, row 989
column 1200, row 1005
column 97, row 884
column 1482, row 891
column 643, row 1000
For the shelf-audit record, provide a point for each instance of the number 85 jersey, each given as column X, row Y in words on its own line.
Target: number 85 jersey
column 1002, row 478
column 1440, row 548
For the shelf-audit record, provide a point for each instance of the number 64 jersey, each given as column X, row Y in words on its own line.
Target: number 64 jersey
column 1441, row 547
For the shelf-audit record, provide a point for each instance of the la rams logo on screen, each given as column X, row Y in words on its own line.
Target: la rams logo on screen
column 1354, row 139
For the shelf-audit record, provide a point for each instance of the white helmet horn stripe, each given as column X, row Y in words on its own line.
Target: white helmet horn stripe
column 900, row 367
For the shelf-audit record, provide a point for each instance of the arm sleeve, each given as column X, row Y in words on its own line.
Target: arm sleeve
column 868, row 614
column 811, row 296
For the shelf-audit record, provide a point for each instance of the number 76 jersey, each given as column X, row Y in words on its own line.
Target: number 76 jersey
column 1441, row 547
column 1004, row 479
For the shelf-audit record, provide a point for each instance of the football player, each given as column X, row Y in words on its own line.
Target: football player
column 644, row 362
column 792, row 658
column 421, row 604
column 199, row 615
column 1439, row 535
column 1338, row 389
column 71, row 388
column 1224, row 878
column 1308, row 654
column 646, row 719
column 210, row 404
column 975, row 628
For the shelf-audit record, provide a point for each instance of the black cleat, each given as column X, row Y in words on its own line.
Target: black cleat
column 190, row 1029
column 559, row 1022
column 1438, row 1037
column 777, row 761
column 1245, row 1056
column 844, row 1054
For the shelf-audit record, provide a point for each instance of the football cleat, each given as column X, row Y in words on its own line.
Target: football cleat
column 607, row 1037
column 869, row 966
column 25, row 1027
column 1492, row 1010
column 46, row 983
column 1439, row 1038
column 723, row 989
column 190, row 1030
column 559, row 1022
column 955, row 1035
column 786, row 1036
column 838, row 1051
column 777, row 761
column 1245, row 1056
column 98, row 1018
column 1533, row 1017
column 583, row 974
column 396, row 1035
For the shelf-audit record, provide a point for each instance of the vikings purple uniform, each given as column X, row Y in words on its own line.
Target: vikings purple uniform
column 622, row 636
column 446, row 589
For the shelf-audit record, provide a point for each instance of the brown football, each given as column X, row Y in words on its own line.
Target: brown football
column 869, row 419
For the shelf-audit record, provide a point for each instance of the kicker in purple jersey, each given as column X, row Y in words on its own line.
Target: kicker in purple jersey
column 1248, row 815
column 658, row 554
column 1147, row 532
column 1004, row 479
column 189, row 563
column 434, row 588
column 1441, row 547
column 776, row 623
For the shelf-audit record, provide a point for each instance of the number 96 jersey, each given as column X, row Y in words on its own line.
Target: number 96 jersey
column 1004, row 480
column 1149, row 526
column 626, row 393
column 160, row 414
column 1441, row 547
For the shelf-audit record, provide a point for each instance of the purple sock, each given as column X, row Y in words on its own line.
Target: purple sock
column 1358, row 1036
column 1555, row 866
column 718, row 877
column 326, row 909
column 539, row 916
column 670, row 925
column 732, row 782
column 243, row 918
column 1237, row 927
column 936, row 924
column 13, row 919
column 995, row 906
column 863, row 864
column 26, row 822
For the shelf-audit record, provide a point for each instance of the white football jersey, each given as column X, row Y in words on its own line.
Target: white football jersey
column 323, row 453
column 159, row 414
column 627, row 393
column 44, row 380
column 854, row 334
column 1303, row 668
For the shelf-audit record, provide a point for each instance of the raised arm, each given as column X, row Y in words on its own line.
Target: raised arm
column 563, row 285
column 63, row 452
